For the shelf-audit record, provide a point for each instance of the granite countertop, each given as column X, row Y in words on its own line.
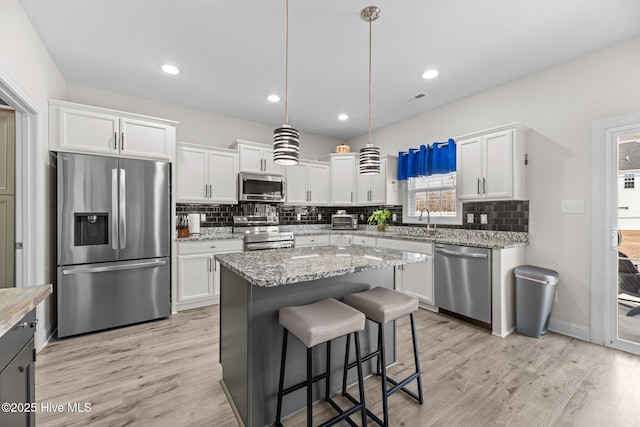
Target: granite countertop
column 451, row 236
column 210, row 233
column 15, row 303
column 287, row 266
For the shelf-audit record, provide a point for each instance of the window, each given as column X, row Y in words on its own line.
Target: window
column 629, row 180
column 436, row 193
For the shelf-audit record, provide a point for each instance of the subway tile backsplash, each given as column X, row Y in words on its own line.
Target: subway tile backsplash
column 512, row 215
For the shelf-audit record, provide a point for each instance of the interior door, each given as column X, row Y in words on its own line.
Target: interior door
column 626, row 312
column 144, row 226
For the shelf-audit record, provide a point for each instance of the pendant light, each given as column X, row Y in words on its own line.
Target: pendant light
column 286, row 140
column 370, row 155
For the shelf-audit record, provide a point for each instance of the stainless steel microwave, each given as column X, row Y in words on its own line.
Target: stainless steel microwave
column 254, row 187
column 344, row 222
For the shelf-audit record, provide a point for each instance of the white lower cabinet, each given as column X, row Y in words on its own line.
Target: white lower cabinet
column 314, row 240
column 199, row 272
column 413, row 279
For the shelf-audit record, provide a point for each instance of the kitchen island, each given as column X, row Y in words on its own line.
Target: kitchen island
column 255, row 285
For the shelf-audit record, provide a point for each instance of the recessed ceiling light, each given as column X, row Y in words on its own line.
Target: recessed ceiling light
column 430, row 74
column 342, row 117
column 170, row 69
column 273, row 98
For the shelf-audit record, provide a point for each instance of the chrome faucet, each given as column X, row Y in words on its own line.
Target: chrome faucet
column 429, row 228
column 428, row 215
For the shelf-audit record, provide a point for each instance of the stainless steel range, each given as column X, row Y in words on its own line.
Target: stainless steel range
column 261, row 232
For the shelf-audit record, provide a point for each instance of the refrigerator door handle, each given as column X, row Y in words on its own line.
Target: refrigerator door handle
column 114, row 209
column 100, row 268
column 122, row 213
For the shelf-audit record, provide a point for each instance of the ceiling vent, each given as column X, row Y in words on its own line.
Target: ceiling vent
column 417, row 96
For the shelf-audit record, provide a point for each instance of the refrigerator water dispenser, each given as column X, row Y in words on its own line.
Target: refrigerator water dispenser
column 91, row 229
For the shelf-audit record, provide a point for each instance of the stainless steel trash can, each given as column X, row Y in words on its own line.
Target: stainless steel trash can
column 535, row 290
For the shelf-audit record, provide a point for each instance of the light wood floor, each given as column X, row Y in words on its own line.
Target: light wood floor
column 166, row 373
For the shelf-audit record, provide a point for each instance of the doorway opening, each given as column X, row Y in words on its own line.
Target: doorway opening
column 615, row 232
column 628, row 190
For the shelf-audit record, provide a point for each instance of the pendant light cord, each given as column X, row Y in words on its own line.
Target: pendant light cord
column 369, row 82
column 286, row 63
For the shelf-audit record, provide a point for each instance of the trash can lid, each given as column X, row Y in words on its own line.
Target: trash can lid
column 537, row 274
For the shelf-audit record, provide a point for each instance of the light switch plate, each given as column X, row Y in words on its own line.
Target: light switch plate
column 203, row 217
column 469, row 218
column 483, row 219
column 394, row 217
column 298, row 217
column 572, row 206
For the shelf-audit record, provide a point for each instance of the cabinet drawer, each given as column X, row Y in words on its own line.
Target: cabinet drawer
column 406, row 245
column 315, row 240
column 210, row 246
column 16, row 338
column 364, row 240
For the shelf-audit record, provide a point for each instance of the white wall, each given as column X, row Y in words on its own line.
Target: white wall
column 26, row 66
column 559, row 105
column 198, row 126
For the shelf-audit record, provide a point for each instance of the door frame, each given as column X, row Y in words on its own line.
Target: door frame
column 604, row 135
column 29, row 190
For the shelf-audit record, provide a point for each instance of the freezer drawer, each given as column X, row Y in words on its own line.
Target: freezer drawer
column 92, row 297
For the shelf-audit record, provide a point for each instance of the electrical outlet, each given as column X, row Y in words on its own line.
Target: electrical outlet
column 483, row 219
column 298, row 217
column 394, row 217
column 469, row 218
column 319, row 217
column 203, row 217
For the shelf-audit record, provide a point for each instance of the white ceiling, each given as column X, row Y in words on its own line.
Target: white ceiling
column 231, row 52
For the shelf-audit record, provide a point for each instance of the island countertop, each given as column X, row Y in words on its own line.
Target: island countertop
column 15, row 303
column 286, row 266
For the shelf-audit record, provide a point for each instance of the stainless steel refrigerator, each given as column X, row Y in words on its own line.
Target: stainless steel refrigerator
column 113, row 242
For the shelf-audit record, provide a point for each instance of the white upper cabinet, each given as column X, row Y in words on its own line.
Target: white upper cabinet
column 308, row 184
column 140, row 138
column 257, row 158
column 206, row 175
column 343, row 178
column 381, row 188
column 93, row 130
column 491, row 164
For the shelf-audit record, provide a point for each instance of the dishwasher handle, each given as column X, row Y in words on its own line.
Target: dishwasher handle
column 460, row 254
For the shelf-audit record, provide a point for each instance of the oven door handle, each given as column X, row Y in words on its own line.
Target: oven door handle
column 269, row 245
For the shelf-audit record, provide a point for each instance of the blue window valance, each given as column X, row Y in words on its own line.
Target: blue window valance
column 437, row 158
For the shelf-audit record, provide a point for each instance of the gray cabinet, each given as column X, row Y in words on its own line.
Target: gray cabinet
column 17, row 373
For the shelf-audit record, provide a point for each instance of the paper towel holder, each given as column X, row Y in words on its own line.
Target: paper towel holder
column 194, row 223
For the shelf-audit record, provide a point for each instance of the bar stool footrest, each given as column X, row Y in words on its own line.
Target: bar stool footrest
column 370, row 414
column 401, row 386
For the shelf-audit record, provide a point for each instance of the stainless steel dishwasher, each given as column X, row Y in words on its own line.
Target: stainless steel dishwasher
column 462, row 276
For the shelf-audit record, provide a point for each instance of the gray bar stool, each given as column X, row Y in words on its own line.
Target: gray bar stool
column 315, row 324
column 382, row 305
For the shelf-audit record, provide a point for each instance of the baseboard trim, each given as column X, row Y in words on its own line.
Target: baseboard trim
column 570, row 329
column 49, row 332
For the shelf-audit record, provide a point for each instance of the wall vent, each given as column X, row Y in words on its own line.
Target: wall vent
column 417, row 96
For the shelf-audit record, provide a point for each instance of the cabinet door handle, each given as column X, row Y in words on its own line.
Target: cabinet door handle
column 206, row 191
column 484, row 185
column 310, row 197
column 122, row 141
column 115, row 140
column 478, row 185
column 209, row 266
column 210, row 190
column 21, row 368
column 352, row 196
